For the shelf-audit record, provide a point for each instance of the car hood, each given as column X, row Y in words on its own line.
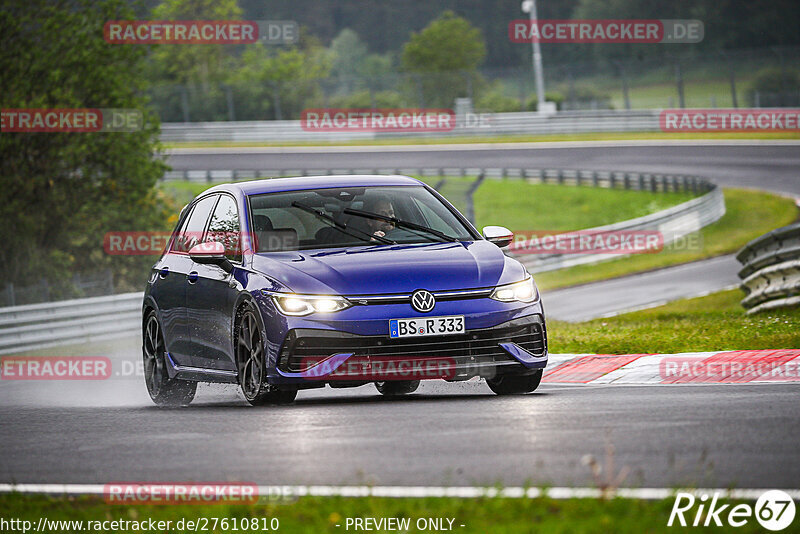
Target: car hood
column 384, row 269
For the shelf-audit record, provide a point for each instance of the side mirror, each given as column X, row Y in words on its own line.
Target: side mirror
column 211, row 253
column 500, row 236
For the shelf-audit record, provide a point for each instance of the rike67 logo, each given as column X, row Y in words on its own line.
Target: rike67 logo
column 774, row 510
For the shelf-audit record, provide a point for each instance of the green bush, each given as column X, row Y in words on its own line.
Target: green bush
column 494, row 101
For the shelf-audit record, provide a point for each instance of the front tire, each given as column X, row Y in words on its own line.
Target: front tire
column 251, row 364
column 395, row 388
column 515, row 384
column 163, row 390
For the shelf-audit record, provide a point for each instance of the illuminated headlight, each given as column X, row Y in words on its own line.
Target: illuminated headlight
column 524, row 291
column 307, row 304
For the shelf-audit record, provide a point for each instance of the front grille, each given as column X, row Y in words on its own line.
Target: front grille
column 475, row 346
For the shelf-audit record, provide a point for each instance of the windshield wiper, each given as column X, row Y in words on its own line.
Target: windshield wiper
column 341, row 226
column 400, row 223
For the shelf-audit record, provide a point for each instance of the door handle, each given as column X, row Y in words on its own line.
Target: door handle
column 193, row 276
column 163, row 272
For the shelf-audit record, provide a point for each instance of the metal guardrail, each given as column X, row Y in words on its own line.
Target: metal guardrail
column 771, row 270
column 636, row 181
column 37, row 326
column 673, row 224
column 491, row 124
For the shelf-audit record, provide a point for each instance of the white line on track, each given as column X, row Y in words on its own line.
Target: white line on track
column 427, row 491
column 477, row 146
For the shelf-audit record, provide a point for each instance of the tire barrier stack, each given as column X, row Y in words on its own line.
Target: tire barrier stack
column 771, row 270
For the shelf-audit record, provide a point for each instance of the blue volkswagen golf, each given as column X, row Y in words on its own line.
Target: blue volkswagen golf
column 295, row 283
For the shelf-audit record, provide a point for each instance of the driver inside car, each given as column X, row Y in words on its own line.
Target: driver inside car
column 380, row 206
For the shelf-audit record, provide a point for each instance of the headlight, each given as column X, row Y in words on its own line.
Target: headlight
column 524, row 291
column 307, row 304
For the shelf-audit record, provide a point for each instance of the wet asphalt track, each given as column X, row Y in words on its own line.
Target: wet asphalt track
column 445, row 434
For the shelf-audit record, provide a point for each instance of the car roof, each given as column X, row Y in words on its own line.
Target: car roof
column 277, row 185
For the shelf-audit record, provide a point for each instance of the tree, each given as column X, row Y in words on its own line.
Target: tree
column 280, row 82
column 443, row 59
column 348, row 53
column 190, row 64
column 61, row 192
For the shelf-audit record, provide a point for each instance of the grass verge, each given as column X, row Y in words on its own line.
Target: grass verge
column 716, row 322
column 313, row 514
column 749, row 214
column 600, row 136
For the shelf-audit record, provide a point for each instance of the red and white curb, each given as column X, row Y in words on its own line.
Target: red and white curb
column 728, row 367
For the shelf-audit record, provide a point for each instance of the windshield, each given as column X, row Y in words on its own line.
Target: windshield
column 351, row 216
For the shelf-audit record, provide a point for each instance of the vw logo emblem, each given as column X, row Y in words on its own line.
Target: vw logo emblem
column 422, row 300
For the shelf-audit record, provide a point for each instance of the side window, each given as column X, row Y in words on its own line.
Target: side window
column 224, row 227
column 192, row 231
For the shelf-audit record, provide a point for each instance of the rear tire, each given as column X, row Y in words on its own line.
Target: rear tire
column 251, row 364
column 515, row 384
column 163, row 390
column 399, row 387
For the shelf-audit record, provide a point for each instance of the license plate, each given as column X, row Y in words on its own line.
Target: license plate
column 427, row 326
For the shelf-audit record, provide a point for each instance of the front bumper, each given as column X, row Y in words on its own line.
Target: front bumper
column 318, row 356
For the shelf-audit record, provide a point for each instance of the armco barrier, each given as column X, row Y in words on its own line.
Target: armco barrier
column 36, row 326
column 771, row 270
column 491, row 124
column 673, row 223
column 50, row 324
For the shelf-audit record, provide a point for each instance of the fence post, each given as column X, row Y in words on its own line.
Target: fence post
column 625, row 92
column 470, row 194
column 679, row 82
